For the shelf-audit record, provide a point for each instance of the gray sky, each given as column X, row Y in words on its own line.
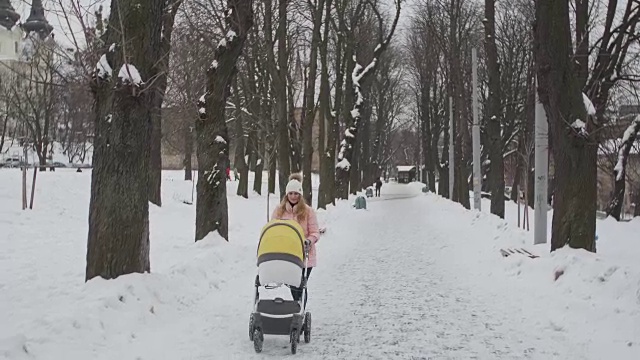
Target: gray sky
column 64, row 26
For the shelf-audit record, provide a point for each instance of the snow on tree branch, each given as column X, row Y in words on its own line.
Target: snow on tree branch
column 357, row 76
column 103, row 69
column 129, row 74
column 202, row 110
column 628, row 139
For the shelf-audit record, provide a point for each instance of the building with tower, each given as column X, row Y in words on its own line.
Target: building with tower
column 27, row 59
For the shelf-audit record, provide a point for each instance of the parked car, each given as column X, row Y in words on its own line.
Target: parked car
column 12, row 162
column 57, row 164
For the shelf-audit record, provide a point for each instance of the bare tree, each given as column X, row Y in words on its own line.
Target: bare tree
column 574, row 135
column 32, row 91
column 317, row 10
column 494, row 113
column 358, row 76
column 620, row 169
column 574, row 146
column 170, row 9
column 118, row 241
column 389, row 99
column 213, row 141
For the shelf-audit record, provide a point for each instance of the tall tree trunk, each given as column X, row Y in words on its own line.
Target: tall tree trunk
column 272, row 174
column 494, row 113
column 284, row 151
column 327, row 157
column 517, row 177
column 295, row 130
column 366, row 159
column 254, row 106
column 159, row 88
column 155, row 160
column 324, row 108
column 461, row 129
column 4, row 131
column 574, row 148
column 582, row 41
column 443, row 168
column 240, row 165
column 212, row 213
column 354, row 170
column 636, row 201
column 425, row 129
column 343, row 170
column 188, row 152
column 118, row 239
column 620, row 170
column 310, row 110
column 358, row 163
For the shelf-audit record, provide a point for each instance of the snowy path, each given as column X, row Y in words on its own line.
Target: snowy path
column 392, row 293
column 412, row 278
column 377, row 294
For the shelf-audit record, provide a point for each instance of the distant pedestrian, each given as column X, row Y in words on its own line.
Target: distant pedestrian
column 378, row 186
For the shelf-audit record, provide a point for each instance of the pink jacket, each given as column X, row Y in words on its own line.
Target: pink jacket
column 309, row 225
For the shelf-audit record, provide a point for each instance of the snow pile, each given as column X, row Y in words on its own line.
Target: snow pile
column 103, row 68
column 574, row 289
column 580, row 127
column 343, row 164
column 129, row 74
column 588, row 105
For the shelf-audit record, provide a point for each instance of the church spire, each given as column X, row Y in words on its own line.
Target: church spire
column 37, row 22
column 8, row 15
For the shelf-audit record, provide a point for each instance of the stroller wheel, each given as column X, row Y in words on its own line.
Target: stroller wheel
column 251, row 328
column 307, row 327
column 294, row 338
column 258, row 339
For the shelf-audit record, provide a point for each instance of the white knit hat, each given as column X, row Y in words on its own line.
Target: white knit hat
column 294, row 186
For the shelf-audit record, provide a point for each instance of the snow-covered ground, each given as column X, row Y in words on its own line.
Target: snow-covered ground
column 417, row 277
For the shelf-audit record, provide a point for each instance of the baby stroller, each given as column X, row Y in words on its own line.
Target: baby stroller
column 282, row 261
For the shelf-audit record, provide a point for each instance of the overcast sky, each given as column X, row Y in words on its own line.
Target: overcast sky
column 64, row 27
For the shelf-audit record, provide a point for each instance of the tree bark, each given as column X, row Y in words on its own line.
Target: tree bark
column 620, row 170
column 636, row 201
column 574, row 148
column 213, row 141
column 324, row 109
column 188, row 153
column 159, row 88
column 240, row 165
column 284, row 153
column 443, row 168
column 327, row 158
column 310, row 110
column 4, row 130
column 494, row 113
column 118, row 240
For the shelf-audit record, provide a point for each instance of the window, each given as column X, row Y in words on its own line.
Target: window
column 16, row 46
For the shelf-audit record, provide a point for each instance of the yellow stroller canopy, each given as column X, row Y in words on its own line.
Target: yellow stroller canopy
column 281, row 252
